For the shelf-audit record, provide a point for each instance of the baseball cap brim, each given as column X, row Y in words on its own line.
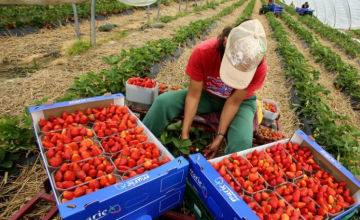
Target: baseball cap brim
column 233, row 77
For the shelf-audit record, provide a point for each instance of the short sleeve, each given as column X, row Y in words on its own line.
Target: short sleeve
column 194, row 68
column 259, row 77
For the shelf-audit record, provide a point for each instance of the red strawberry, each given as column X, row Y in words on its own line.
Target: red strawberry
column 68, row 184
column 69, row 195
column 69, row 176
column 79, row 191
column 94, row 184
column 274, row 202
column 50, row 153
column 55, row 161
column 58, row 176
column 81, row 175
column 311, row 206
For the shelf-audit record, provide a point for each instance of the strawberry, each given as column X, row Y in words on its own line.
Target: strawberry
column 50, row 153
column 69, row 176
column 111, row 179
column 64, row 167
column 274, row 202
column 253, row 177
column 75, row 157
column 42, row 122
column 257, row 197
column 68, row 184
column 69, row 195
column 222, row 171
column 55, row 161
column 81, row 175
column 311, row 206
column 88, row 191
column 79, row 191
column 104, row 181
column 264, row 195
column 58, row 176
column 109, row 169
column 59, row 185
column 92, row 173
column 94, row 184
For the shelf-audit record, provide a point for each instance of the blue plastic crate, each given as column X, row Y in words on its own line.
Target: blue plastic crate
column 224, row 203
column 145, row 196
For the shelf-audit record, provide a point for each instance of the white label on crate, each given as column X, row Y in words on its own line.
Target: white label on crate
column 331, row 159
column 196, row 178
column 198, row 182
column 131, row 182
column 81, row 101
column 100, row 214
column 197, row 210
column 223, row 188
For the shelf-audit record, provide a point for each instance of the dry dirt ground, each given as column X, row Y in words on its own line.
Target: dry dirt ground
column 46, row 52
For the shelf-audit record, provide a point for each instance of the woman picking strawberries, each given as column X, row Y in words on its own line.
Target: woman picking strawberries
column 224, row 74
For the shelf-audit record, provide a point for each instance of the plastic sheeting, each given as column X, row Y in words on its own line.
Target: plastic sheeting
column 138, row 3
column 41, row 2
column 344, row 14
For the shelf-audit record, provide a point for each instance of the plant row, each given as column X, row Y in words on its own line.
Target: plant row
column 46, row 15
column 341, row 141
column 16, row 133
column 207, row 5
column 356, row 33
column 344, row 41
column 347, row 79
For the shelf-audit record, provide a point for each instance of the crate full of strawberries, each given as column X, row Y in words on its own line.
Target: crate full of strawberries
column 97, row 154
column 265, row 135
column 289, row 179
column 141, row 92
column 270, row 111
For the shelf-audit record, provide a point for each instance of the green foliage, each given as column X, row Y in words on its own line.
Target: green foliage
column 167, row 19
column 246, row 13
column 171, row 138
column 22, row 15
column 355, row 33
column 347, row 76
column 79, row 47
column 16, row 136
column 7, row 161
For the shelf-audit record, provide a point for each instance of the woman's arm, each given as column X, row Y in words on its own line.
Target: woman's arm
column 228, row 113
column 191, row 105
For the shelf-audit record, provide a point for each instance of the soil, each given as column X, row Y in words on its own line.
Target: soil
column 53, row 69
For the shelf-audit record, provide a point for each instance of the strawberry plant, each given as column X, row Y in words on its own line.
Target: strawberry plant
column 16, row 136
column 171, row 138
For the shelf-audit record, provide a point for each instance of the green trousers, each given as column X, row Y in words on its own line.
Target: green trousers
column 170, row 105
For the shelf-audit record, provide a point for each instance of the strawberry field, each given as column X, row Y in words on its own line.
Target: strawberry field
column 313, row 76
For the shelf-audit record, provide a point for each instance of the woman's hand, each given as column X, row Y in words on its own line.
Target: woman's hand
column 214, row 148
column 184, row 136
